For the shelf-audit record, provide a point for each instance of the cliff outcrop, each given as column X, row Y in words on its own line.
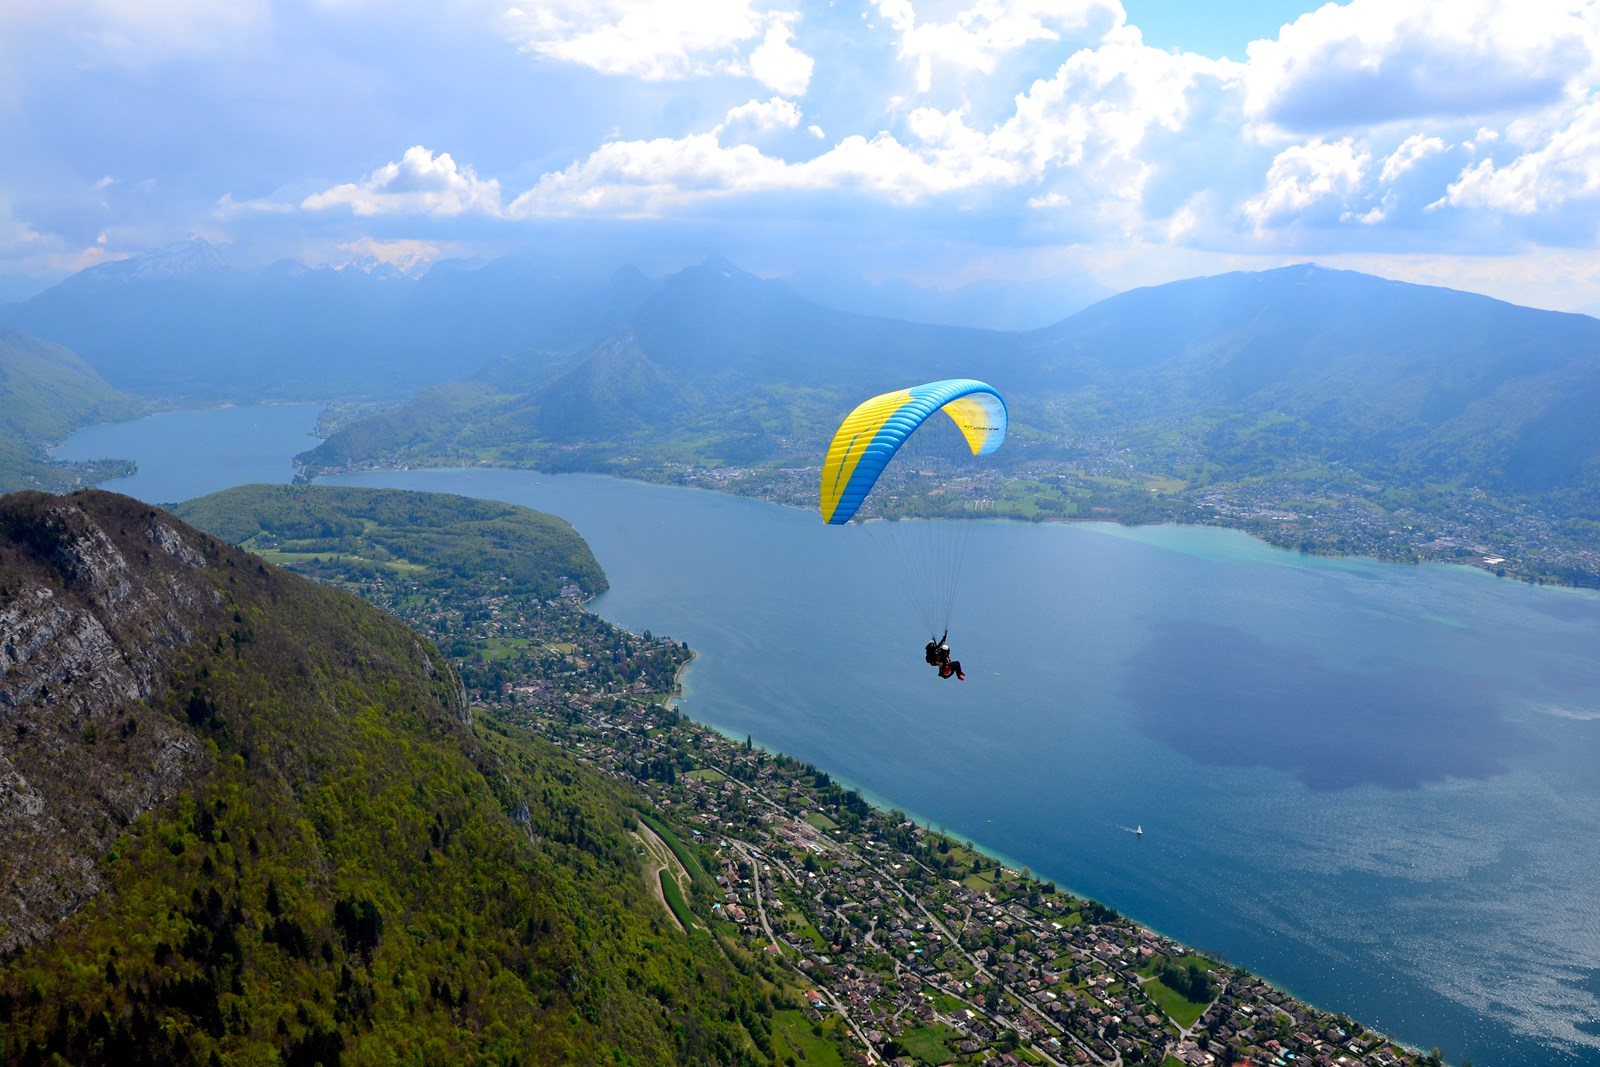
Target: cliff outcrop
column 88, row 644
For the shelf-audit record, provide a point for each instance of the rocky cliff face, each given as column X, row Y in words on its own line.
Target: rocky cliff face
column 100, row 598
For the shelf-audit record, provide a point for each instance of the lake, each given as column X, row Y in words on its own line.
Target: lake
column 1372, row 784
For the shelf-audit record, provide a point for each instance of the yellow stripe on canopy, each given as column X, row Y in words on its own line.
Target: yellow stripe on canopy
column 857, row 431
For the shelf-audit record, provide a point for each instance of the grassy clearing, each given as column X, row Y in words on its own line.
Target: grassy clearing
column 982, row 881
column 706, row 774
column 794, row 1034
column 821, row 821
column 1179, row 1008
column 503, row 647
column 805, row 930
column 931, row 1044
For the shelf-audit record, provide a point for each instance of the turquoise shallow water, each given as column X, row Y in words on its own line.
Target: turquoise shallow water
column 1372, row 784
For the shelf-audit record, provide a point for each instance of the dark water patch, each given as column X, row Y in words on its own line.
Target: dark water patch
column 1246, row 703
column 1588, row 982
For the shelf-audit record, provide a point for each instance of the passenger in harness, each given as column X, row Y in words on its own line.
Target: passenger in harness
column 937, row 654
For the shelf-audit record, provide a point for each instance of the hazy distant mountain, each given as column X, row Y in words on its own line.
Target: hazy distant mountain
column 47, row 392
column 519, row 305
column 186, row 321
column 715, row 320
column 990, row 305
column 1399, row 377
column 715, row 353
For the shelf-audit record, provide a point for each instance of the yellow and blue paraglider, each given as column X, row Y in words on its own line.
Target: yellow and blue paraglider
column 870, row 436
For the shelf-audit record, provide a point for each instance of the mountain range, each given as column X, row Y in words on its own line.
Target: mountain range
column 188, row 321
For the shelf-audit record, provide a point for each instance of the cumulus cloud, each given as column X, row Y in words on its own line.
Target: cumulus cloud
column 1110, row 97
column 1412, row 151
column 1563, row 168
column 983, row 34
column 663, row 40
column 421, row 183
column 17, row 239
column 1023, row 121
column 774, row 114
column 1085, row 127
column 1377, row 61
column 22, row 244
column 779, row 64
column 1318, row 173
column 641, row 178
column 637, row 179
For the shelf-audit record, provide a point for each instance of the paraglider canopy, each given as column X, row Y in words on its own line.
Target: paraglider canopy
column 871, row 435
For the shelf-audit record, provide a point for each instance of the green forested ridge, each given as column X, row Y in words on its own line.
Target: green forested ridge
column 429, row 537
column 357, row 873
column 47, row 392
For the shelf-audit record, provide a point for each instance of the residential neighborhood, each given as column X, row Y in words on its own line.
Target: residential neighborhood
column 925, row 949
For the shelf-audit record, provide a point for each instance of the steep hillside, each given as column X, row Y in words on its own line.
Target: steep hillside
column 47, row 392
column 249, row 819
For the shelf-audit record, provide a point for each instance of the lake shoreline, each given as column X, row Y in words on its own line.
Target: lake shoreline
column 1497, row 569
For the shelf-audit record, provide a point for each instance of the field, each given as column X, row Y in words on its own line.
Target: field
column 795, row 1035
column 931, row 1044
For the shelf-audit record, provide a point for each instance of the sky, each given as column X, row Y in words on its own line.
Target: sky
column 942, row 142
